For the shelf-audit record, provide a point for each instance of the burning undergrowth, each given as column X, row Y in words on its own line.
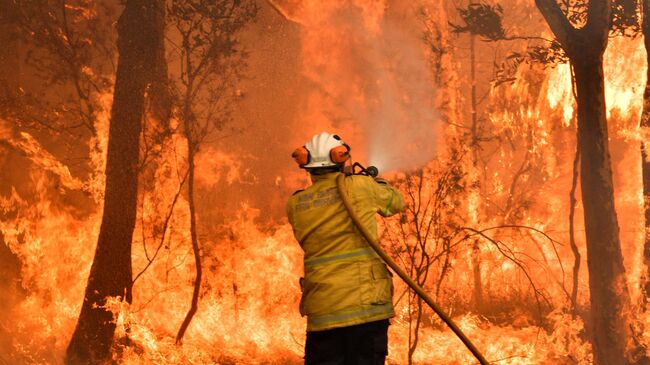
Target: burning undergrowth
column 486, row 229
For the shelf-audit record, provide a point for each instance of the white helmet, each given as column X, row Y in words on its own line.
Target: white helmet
column 323, row 150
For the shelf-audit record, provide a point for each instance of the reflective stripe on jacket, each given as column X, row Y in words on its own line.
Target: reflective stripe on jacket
column 345, row 282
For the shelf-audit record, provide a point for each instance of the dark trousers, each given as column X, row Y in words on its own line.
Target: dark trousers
column 363, row 344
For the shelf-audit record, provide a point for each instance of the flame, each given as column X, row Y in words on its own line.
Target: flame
column 365, row 89
column 365, row 73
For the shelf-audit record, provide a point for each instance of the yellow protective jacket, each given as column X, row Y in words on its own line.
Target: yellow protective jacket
column 345, row 282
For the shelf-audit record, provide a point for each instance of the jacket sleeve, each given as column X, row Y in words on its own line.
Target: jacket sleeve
column 389, row 200
column 289, row 209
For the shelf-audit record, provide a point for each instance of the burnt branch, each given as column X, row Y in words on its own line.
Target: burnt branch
column 511, row 256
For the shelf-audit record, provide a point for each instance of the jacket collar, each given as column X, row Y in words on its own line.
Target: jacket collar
column 328, row 176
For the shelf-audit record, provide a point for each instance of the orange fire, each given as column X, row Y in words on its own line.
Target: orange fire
column 364, row 71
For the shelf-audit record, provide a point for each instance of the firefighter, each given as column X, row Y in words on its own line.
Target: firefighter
column 346, row 290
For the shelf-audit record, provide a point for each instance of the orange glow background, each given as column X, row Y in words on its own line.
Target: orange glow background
column 361, row 69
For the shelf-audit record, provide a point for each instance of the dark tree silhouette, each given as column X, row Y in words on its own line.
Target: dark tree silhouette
column 210, row 65
column 484, row 22
column 110, row 274
column 56, row 37
column 583, row 34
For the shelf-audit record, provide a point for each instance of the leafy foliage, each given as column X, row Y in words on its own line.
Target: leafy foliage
column 576, row 11
column 625, row 18
column 552, row 54
column 67, row 44
column 210, row 59
column 482, row 20
column 547, row 55
column 624, row 22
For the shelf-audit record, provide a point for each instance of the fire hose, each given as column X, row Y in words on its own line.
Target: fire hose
column 402, row 274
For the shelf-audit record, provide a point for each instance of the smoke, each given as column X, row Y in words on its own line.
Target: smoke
column 403, row 133
column 351, row 67
column 371, row 80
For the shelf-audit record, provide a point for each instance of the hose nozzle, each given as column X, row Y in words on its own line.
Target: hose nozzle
column 371, row 171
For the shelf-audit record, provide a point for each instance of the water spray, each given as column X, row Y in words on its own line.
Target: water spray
column 373, row 171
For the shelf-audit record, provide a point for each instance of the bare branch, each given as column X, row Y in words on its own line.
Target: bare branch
column 510, row 255
column 164, row 229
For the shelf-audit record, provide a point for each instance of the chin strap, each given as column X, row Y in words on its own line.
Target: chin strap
column 398, row 270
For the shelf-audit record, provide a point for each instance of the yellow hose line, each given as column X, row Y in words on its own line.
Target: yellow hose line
column 398, row 270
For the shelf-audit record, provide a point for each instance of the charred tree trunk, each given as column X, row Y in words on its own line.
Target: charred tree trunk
column 572, row 235
column 195, row 246
column 607, row 283
column 110, row 273
column 645, row 154
column 192, row 146
column 160, row 98
column 612, row 337
column 10, row 52
column 477, row 293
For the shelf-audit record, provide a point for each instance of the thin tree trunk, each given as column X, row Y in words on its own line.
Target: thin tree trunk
column 477, row 297
column 477, row 294
column 410, row 338
column 110, row 273
column 645, row 161
column 191, row 150
column 472, row 61
column 572, row 239
column 413, row 343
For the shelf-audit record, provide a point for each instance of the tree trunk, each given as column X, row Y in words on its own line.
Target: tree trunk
column 610, row 301
column 192, row 146
column 160, row 98
column 195, row 248
column 612, row 337
column 645, row 163
column 477, row 293
column 474, row 111
column 10, row 51
column 572, row 235
column 110, row 273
